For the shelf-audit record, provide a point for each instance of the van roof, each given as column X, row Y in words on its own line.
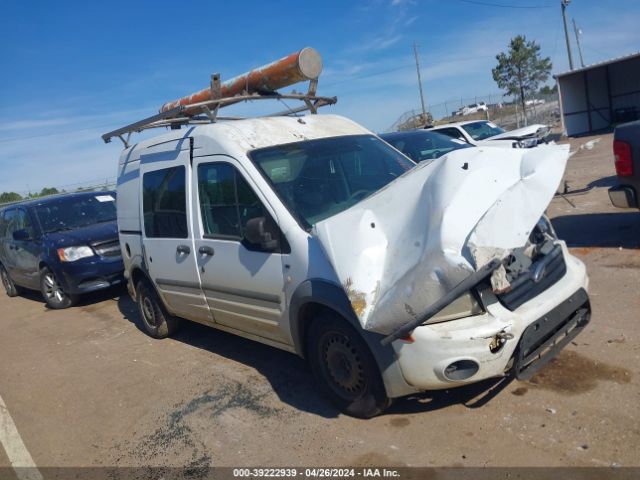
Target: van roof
column 253, row 133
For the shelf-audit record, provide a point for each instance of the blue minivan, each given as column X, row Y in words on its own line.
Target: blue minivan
column 63, row 245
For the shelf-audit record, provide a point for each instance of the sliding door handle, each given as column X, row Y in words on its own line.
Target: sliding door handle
column 208, row 251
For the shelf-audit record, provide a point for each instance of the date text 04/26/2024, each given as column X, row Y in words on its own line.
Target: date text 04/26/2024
column 315, row 472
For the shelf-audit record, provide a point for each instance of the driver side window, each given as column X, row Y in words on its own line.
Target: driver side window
column 227, row 202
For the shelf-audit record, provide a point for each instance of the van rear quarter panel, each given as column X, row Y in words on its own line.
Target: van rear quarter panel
column 128, row 206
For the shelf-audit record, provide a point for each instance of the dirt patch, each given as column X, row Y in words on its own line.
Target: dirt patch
column 520, row 391
column 571, row 373
column 399, row 422
column 583, row 250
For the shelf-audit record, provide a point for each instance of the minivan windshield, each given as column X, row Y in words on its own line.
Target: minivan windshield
column 76, row 211
column 482, row 130
column 317, row 179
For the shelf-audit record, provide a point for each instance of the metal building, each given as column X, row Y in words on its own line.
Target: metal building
column 597, row 96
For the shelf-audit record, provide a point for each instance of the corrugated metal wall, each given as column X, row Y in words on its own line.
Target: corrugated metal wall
column 596, row 98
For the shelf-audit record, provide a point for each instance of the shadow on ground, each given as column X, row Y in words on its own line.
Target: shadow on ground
column 611, row 230
column 291, row 378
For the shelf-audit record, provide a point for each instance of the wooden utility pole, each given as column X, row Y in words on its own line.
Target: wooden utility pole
column 564, row 4
column 415, row 52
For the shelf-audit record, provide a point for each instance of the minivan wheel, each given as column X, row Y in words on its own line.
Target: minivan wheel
column 11, row 288
column 345, row 368
column 156, row 320
column 53, row 293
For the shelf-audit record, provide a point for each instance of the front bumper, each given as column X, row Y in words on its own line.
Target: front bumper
column 89, row 276
column 471, row 349
column 623, row 196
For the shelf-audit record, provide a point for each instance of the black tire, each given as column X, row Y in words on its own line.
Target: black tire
column 53, row 293
column 10, row 287
column 156, row 320
column 344, row 367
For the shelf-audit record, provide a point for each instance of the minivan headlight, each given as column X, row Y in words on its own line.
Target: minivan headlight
column 465, row 305
column 71, row 254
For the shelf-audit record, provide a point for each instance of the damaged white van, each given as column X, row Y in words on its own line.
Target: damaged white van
column 312, row 235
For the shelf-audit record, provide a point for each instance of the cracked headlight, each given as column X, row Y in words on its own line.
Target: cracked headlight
column 71, row 254
column 464, row 306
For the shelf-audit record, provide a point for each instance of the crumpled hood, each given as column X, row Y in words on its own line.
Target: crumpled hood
column 401, row 249
column 537, row 130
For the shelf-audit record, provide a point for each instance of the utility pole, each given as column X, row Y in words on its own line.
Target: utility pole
column 578, row 33
column 564, row 4
column 415, row 52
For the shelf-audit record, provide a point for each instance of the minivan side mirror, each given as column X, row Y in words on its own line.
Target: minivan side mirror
column 258, row 232
column 21, row 235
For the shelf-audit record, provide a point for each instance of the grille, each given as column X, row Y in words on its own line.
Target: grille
column 109, row 248
column 543, row 273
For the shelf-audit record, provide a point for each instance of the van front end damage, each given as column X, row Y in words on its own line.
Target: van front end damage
column 454, row 261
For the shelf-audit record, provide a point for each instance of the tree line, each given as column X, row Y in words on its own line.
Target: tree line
column 9, row 197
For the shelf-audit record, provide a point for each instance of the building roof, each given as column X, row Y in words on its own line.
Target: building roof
column 599, row 64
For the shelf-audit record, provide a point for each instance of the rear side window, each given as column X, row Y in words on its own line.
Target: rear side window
column 14, row 220
column 227, row 202
column 164, row 203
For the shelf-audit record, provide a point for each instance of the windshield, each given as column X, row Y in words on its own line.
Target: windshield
column 421, row 146
column 482, row 130
column 71, row 212
column 320, row 178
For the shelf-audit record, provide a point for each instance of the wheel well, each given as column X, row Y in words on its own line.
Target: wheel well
column 136, row 275
column 42, row 265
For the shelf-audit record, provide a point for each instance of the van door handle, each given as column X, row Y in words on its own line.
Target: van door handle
column 206, row 251
column 183, row 250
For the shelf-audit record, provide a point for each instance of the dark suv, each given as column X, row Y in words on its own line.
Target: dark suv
column 63, row 246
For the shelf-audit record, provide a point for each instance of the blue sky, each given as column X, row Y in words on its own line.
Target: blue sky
column 73, row 70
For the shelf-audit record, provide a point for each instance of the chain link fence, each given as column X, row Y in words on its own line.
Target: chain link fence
column 504, row 111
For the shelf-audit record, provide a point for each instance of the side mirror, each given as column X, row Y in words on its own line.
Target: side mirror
column 21, row 235
column 259, row 231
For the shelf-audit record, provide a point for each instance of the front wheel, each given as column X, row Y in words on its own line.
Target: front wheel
column 11, row 288
column 53, row 293
column 156, row 320
column 345, row 368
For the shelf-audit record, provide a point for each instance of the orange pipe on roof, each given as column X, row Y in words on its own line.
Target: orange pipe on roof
column 300, row 66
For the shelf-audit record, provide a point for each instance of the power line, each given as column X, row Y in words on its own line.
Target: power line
column 502, row 5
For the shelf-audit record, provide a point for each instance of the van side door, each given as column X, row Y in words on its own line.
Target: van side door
column 167, row 239
column 243, row 282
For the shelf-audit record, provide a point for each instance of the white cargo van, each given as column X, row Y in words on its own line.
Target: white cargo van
column 311, row 234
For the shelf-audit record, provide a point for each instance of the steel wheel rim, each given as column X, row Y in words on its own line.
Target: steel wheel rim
column 343, row 365
column 148, row 312
column 52, row 289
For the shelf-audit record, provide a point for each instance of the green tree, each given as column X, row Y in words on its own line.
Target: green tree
column 7, row 197
column 547, row 90
column 521, row 70
column 48, row 191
